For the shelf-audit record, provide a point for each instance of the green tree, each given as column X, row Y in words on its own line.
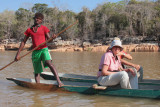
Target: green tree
column 24, row 20
column 139, row 17
column 103, row 14
column 86, row 24
column 38, row 7
column 51, row 19
column 7, row 23
column 67, row 18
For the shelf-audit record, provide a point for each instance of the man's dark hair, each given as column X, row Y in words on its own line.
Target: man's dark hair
column 39, row 15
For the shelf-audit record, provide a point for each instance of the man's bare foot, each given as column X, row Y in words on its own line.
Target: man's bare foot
column 60, row 84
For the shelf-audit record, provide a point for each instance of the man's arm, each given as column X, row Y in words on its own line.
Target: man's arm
column 128, row 56
column 125, row 55
column 21, row 47
column 130, row 64
column 48, row 36
column 126, row 63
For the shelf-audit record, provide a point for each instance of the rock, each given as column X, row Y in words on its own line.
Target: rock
column 11, row 47
column 107, row 41
column 100, row 48
column 131, row 40
column 78, row 49
column 2, row 48
column 77, row 42
column 16, row 46
column 10, row 41
column 150, row 38
column 146, row 48
column 59, row 50
column 98, row 44
column 70, row 49
column 88, row 48
column 86, row 44
column 129, row 48
column 27, row 46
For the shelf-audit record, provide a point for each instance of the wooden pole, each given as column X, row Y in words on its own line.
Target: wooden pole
column 40, row 45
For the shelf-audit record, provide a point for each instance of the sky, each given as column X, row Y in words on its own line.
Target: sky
column 73, row 5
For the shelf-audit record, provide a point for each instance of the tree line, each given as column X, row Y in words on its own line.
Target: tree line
column 125, row 18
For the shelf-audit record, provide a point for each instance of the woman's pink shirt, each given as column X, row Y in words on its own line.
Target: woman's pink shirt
column 109, row 60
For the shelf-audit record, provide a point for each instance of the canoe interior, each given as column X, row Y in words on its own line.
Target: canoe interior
column 69, row 77
column 151, row 81
column 85, row 78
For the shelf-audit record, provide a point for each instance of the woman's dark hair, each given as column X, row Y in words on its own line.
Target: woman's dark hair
column 39, row 15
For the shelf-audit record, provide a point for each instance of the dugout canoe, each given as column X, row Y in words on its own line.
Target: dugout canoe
column 86, row 78
column 144, row 91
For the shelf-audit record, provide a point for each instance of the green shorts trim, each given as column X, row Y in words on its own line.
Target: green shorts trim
column 39, row 56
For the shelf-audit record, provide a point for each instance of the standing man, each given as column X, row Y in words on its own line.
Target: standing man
column 39, row 35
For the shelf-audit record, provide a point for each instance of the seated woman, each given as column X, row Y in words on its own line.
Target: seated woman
column 111, row 72
column 122, row 55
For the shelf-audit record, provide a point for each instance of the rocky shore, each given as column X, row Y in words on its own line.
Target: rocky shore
column 136, row 44
column 145, row 47
column 130, row 44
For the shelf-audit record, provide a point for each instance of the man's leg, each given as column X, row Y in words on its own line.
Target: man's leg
column 140, row 71
column 37, row 78
column 53, row 70
column 133, row 79
column 36, row 60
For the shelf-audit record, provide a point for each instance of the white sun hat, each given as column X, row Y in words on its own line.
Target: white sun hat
column 116, row 42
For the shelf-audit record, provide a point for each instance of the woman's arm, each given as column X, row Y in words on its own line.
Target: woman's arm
column 105, row 70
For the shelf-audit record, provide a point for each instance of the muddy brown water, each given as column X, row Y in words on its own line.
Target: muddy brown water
column 86, row 63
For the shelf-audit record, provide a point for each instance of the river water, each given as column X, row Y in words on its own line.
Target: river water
column 86, row 63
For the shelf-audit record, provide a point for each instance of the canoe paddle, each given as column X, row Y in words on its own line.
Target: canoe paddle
column 40, row 45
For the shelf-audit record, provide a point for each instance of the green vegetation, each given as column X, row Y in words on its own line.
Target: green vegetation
column 132, row 18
